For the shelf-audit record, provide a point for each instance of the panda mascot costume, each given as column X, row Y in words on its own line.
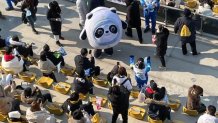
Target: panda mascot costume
column 103, row 28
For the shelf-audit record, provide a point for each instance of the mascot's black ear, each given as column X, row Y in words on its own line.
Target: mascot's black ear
column 124, row 24
column 82, row 35
column 89, row 16
column 113, row 10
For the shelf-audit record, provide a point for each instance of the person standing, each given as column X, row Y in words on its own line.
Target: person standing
column 10, row 6
column 161, row 42
column 150, row 12
column 29, row 7
column 119, row 102
column 185, row 26
column 133, row 19
column 82, row 7
column 54, row 17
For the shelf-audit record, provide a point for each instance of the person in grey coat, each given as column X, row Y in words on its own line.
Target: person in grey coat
column 82, row 7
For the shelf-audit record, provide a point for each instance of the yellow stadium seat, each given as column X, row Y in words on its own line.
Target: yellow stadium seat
column 62, row 87
column 215, row 9
column 45, row 82
column 134, row 93
column 103, row 102
column 8, row 71
column 137, row 112
column 189, row 112
column 154, row 121
column 191, row 4
column 97, row 119
column 3, row 118
column 177, row 121
column 54, row 109
column 215, row 2
column 174, row 104
column 100, row 82
column 27, row 76
column 68, row 71
column 110, row 106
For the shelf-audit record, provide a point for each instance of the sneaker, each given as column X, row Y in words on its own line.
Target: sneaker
column 162, row 68
column 146, row 30
column 9, row 8
column 36, row 32
column 59, row 44
column 194, row 54
column 62, row 38
column 128, row 34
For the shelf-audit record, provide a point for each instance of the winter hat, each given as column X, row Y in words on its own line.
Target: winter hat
column 14, row 114
column 187, row 12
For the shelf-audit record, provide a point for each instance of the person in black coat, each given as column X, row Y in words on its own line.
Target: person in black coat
column 82, row 62
column 119, row 102
column 81, row 84
column 187, row 20
column 50, row 55
column 161, row 42
column 54, row 17
column 73, row 103
column 133, row 18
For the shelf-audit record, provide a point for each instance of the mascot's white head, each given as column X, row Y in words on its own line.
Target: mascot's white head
column 103, row 28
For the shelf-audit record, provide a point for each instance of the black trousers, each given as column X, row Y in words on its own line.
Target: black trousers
column 50, row 75
column 162, row 60
column 124, row 116
column 139, row 32
column 193, row 48
column 15, row 105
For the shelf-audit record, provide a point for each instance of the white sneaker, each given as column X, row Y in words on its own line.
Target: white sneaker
column 162, row 68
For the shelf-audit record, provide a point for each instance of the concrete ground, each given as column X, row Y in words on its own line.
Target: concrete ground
column 182, row 71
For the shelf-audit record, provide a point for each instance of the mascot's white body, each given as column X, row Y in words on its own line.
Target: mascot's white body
column 103, row 28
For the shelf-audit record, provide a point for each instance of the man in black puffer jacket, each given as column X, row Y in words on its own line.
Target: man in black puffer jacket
column 180, row 22
column 119, row 102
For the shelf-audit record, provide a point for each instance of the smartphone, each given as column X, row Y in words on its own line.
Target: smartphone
column 90, row 51
column 118, row 63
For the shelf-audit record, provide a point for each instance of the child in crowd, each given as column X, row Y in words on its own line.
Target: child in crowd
column 141, row 69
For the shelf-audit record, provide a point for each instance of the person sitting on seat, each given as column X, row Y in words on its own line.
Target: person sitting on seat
column 81, row 84
column 122, row 79
column 55, row 57
column 12, row 63
column 79, row 116
column 209, row 116
column 157, row 109
column 194, row 99
column 151, row 89
column 28, row 96
column 73, row 103
column 7, row 103
column 82, row 62
column 37, row 114
column 46, row 66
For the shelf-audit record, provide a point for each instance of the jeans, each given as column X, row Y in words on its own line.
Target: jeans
column 9, row 3
column 152, row 16
column 139, row 32
column 124, row 116
column 31, row 19
column 162, row 60
column 193, row 48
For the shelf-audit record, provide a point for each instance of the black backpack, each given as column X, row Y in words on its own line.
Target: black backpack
column 124, row 89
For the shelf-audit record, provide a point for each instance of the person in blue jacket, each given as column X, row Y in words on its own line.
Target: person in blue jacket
column 150, row 12
column 141, row 69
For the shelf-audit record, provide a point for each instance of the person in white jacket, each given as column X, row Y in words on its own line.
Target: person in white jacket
column 209, row 116
column 122, row 79
column 11, row 62
column 82, row 7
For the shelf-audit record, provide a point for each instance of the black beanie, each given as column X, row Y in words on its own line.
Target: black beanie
column 187, row 12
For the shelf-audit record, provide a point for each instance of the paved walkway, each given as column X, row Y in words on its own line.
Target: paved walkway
column 183, row 71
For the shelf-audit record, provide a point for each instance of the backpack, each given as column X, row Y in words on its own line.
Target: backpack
column 124, row 89
column 185, row 32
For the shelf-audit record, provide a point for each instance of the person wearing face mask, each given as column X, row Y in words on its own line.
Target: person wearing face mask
column 161, row 42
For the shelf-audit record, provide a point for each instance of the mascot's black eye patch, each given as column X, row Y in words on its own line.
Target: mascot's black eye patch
column 99, row 32
column 113, row 29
